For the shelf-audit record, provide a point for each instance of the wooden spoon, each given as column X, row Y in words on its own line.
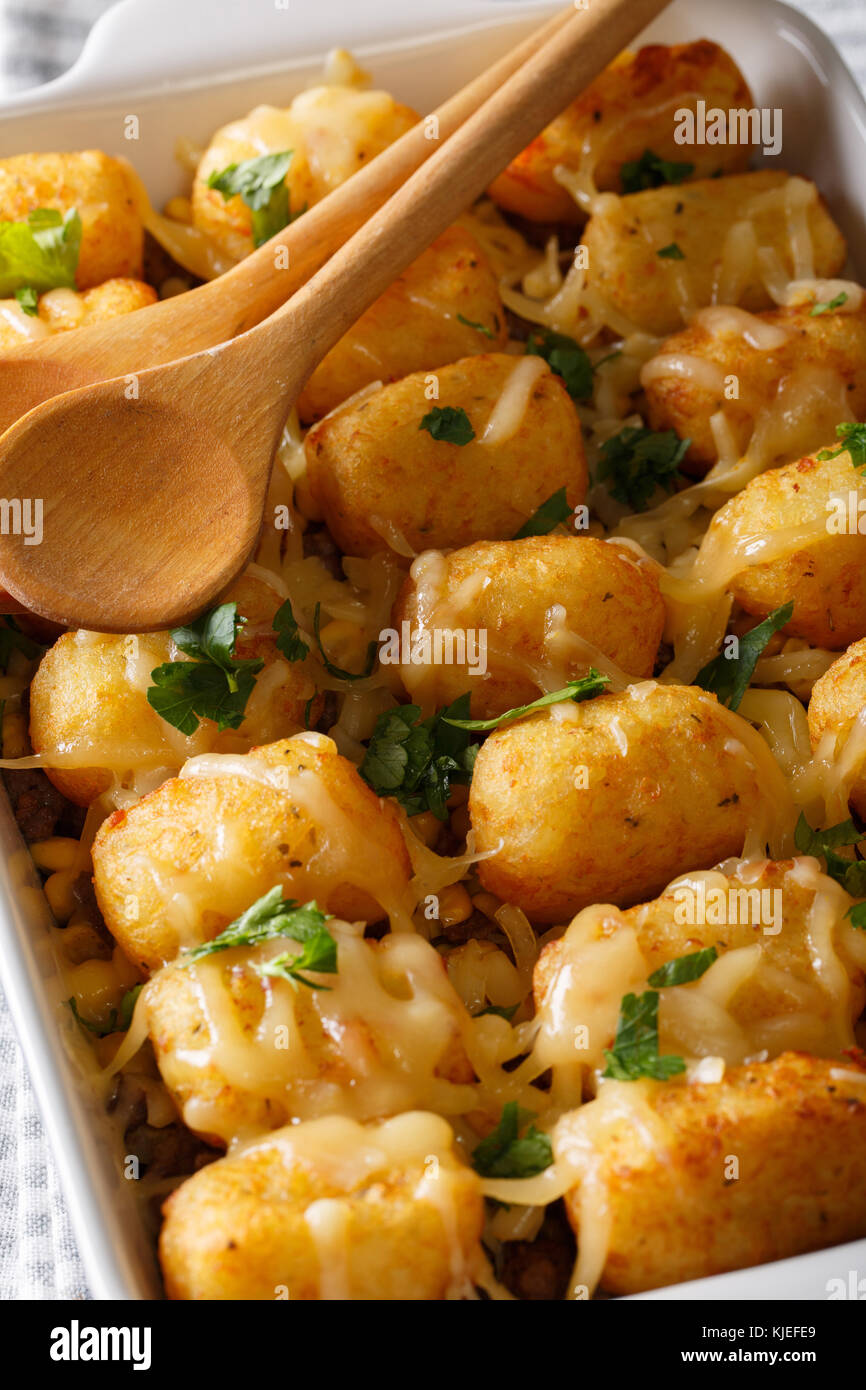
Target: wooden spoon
column 153, row 499
column 252, row 290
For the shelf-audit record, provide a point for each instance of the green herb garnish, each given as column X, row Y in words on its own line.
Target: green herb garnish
column 551, row 513
column 729, row 677
column 418, row 762
column 835, row 303
column 857, row 913
column 586, row 688
column 684, row 969
column 651, row 171
column 823, row 844
column 671, row 252
column 448, row 424
column 274, row 916
column 289, row 642
column 566, row 359
column 853, row 437
column 118, row 1019
column 28, row 301
column 504, row 1154
column 215, row 684
column 479, row 327
column 635, row 1052
column 40, row 253
column 337, row 671
column 261, row 183
column 638, row 461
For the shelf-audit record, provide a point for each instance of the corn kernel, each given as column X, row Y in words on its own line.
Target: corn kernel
column 58, row 891
column 56, row 853
column 455, row 905
column 426, row 827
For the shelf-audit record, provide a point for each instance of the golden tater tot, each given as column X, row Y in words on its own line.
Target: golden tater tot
column 701, row 1178
column 332, row 132
column 608, row 800
column 62, row 310
column 190, row 857
column 378, row 476
column 510, row 591
column 242, row 1053
column 761, row 351
column 772, row 992
column 628, row 109
column 445, row 306
column 95, row 184
column 836, row 706
column 821, row 569
column 328, row 1209
column 656, row 293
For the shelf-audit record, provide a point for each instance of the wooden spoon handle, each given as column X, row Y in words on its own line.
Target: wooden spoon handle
column 307, row 327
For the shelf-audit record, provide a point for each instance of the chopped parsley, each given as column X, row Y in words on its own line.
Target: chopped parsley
column 337, row 671
column 479, row 327
column 638, row 461
column 729, row 677
column 289, row 642
column 449, row 424
column 505, row 1154
column 651, row 171
column 684, row 969
column 261, row 183
column 566, row 359
column 28, row 300
column 40, row 253
column 671, row 252
column 857, row 913
column 823, row 844
column 215, row 684
column 586, row 688
column 835, row 303
column 274, row 916
column 853, row 437
column 418, row 762
column 635, row 1052
column 551, row 513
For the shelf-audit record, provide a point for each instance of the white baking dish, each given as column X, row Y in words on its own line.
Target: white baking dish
column 184, row 67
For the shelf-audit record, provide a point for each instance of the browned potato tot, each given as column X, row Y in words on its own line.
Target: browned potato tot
column 328, row 1209
column 61, row 310
column 190, row 857
column 627, row 109
column 761, row 351
column 427, row 318
column 822, row 568
column 332, row 132
column 655, row 292
column 89, row 699
column 608, row 800
column 99, row 187
column 837, row 703
column 703, row 1178
column 382, row 1036
column 376, row 475
column 790, row 998
column 508, row 590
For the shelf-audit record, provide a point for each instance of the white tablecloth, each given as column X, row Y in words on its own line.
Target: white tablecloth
column 38, row 1255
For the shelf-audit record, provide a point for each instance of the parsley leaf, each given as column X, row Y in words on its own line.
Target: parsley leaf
column 566, row 359
column 729, row 677
column 127, row 1006
column 28, row 300
column 586, row 688
column 857, row 913
column 449, row 424
column 671, row 252
column 479, row 327
column 319, row 954
column 548, row 515
column 41, row 253
column 118, row 1019
column 835, row 303
column 851, row 873
column 504, row 1154
column 638, row 461
column 684, row 969
column 289, row 642
column 419, row 762
column 635, row 1052
column 853, row 437
column 261, row 183
column 269, row 917
column 214, row 685
column 651, row 171
column 337, row 671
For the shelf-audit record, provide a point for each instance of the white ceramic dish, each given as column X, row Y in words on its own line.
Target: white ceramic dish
column 184, row 67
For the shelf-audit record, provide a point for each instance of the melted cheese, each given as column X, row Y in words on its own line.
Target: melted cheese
column 510, row 410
